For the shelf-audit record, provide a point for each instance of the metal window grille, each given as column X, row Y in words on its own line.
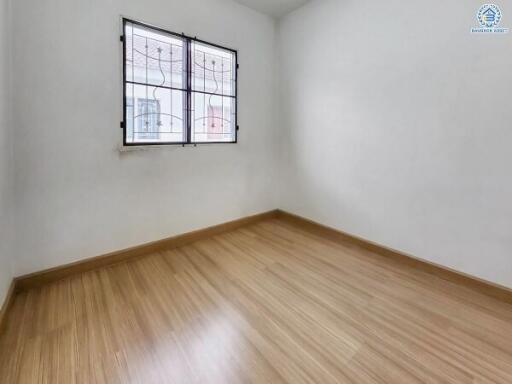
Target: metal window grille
column 177, row 89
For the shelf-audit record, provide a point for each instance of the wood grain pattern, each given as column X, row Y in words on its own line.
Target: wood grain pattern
column 54, row 274
column 482, row 286
column 6, row 306
column 265, row 303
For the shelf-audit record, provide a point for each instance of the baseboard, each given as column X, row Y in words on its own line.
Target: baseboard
column 482, row 286
column 54, row 274
column 9, row 299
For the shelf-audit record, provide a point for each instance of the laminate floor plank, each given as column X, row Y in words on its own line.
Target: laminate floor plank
column 266, row 303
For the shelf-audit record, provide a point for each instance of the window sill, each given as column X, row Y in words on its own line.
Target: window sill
column 140, row 148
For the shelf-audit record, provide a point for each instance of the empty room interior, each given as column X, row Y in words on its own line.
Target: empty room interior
column 255, row 191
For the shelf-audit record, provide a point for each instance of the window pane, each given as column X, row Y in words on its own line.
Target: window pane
column 178, row 90
column 213, row 70
column 213, row 118
column 154, row 114
column 154, row 58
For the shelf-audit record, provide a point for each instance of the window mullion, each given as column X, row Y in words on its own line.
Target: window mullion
column 189, row 90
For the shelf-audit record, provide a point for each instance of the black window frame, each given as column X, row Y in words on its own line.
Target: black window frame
column 189, row 91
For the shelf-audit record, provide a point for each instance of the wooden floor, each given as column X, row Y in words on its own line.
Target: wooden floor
column 268, row 303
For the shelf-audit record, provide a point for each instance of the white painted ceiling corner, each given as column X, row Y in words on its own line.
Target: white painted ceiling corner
column 274, row 8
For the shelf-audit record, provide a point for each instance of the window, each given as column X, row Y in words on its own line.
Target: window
column 177, row 89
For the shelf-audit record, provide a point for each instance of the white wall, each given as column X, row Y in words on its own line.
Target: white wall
column 397, row 127
column 6, row 175
column 78, row 196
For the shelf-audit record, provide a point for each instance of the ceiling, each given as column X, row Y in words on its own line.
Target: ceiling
column 275, row 8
